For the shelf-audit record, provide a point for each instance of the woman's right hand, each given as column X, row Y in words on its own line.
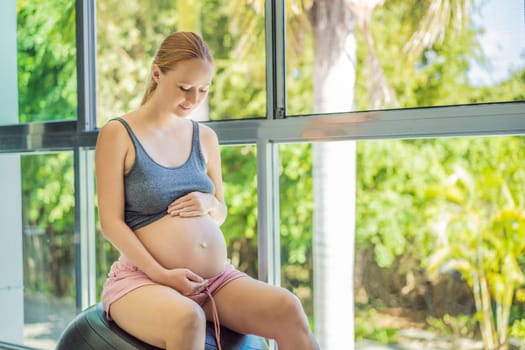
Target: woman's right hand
column 184, row 281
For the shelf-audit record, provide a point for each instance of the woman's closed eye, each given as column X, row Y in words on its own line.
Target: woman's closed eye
column 188, row 89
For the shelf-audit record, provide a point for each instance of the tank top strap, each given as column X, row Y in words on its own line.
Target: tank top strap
column 196, row 139
column 128, row 129
column 196, row 151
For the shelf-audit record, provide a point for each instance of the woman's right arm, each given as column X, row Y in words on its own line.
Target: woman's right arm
column 110, row 154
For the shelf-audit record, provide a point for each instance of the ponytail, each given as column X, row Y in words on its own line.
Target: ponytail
column 152, row 85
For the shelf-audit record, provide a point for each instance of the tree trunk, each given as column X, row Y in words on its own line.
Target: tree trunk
column 334, row 177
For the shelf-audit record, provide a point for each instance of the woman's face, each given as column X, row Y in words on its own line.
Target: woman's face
column 186, row 86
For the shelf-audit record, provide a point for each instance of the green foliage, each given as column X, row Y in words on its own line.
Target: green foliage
column 299, row 70
column 508, row 90
column 366, row 328
column 46, row 60
column 462, row 326
column 240, row 190
column 296, row 223
column 517, row 311
column 439, row 76
column 518, row 329
column 482, row 207
column 390, row 193
column 127, row 37
column 239, row 85
column 240, row 185
column 48, row 213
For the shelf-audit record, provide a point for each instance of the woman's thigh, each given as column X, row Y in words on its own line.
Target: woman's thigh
column 247, row 305
column 152, row 312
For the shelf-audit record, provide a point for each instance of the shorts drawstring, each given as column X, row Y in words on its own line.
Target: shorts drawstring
column 216, row 323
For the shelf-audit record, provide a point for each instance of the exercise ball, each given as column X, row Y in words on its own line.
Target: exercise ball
column 90, row 330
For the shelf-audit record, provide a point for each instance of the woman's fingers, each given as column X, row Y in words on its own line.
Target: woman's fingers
column 192, row 204
column 198, row 283
column 192, row 276
column 198, row 287
column 184, row 204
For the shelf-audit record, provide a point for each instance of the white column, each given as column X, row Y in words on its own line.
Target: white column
column 8, row 66
column 333, row 243
column 334, row 173
column 11, row 268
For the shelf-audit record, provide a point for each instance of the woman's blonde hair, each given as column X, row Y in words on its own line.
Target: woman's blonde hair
column 177, row 47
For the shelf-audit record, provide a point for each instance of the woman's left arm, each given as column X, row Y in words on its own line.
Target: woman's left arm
column 212, row 153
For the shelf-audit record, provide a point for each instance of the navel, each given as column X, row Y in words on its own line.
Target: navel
column 203, row 245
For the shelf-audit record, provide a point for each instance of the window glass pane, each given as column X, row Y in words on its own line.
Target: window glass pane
column 240, row 228
column 239, row 171
column 46, row 60
column 440, row 246
column 48, row 246
column 355, row 55
column 317, row 182
column 128, row 36
column 439, row 231
column 296, row 204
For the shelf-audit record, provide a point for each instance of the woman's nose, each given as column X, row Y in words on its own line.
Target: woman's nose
column 193, row 96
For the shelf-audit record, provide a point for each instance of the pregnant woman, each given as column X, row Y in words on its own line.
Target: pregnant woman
column 161, row 205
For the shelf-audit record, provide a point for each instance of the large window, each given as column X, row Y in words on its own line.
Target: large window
column 46, row 60
column 127, row 37
column 399, row 54
column 48, row 225
column 439, row 241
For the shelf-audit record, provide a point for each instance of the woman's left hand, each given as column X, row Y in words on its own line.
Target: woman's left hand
column 193, row 204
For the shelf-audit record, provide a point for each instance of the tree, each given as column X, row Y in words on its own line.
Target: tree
column 483, row 231
column 46, row 60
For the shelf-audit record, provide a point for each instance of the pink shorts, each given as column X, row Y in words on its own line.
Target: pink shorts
column 124, row 277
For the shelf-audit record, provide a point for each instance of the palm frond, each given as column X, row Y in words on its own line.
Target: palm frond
column 441, row 15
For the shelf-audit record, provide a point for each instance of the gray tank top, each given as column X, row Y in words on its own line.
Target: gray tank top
column 151, row 187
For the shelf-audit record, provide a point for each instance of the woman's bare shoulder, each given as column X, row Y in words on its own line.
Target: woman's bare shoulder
column 115, row 126
column 207, row 134
column 113, row 134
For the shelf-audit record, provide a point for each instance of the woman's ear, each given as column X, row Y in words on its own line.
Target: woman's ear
column 155, row 73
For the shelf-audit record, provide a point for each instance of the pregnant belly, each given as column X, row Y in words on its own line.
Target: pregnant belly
column 193, row 243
